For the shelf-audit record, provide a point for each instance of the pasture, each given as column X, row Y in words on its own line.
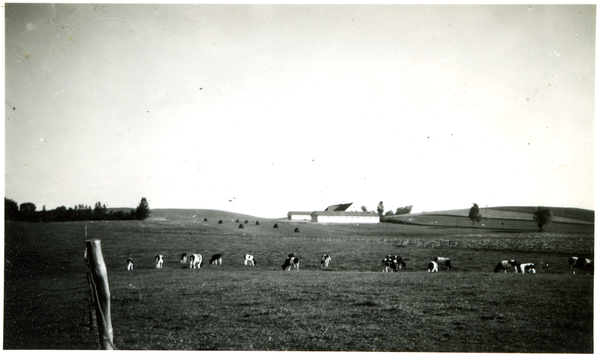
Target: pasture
column 350, row 306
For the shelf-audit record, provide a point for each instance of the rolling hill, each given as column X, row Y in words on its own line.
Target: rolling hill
column 198, row 215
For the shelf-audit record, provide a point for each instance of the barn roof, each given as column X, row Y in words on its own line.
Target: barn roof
column 338, row 207
column 300, row 212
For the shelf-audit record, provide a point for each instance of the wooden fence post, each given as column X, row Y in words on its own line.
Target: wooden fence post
column 98, row 279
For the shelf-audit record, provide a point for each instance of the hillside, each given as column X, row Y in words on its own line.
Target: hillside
column 561, row 215
column 198, row 215
column 448, row 222
column 571, row 215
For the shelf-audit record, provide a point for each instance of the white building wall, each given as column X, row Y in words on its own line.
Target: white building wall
column 347, row 219
column 300, row 217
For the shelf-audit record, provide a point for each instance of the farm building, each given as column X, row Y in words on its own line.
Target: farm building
column 335, row 214
column 345, row 217
column 299, row 215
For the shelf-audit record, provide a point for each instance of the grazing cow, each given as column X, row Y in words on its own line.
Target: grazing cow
column 291, row 261
column 506, row 265
column 443, row 260
column 129, row 264
column 582, row 263
column 183, row 258
column 325, row 259
column 397, row 263
column 386, row 262
column 249, row 260
column 394, row 263
column 216, row 259
column 432, row 267
column 159, row 261
column 195, row 261
column 527, row 267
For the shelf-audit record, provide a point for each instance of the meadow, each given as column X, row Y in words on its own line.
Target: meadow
column 350, row 306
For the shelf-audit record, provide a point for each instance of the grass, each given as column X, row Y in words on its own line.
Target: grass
column 352, row 306
column 257, row 310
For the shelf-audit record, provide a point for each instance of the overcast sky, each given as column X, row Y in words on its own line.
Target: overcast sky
column 265, row 109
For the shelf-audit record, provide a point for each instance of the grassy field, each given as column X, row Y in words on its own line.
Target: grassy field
column 351, row 306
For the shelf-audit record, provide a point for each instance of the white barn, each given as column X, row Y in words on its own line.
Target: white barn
column 299, row 215
column 345, row 217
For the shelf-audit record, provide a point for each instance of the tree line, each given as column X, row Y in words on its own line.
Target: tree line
column 381, row 209
column 27, row 212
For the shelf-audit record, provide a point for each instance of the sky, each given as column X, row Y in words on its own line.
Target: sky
column 265, row 109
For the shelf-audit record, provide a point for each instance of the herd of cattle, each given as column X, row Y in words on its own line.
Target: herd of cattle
column 390, row 263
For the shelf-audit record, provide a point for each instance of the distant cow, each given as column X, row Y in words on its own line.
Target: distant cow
column 325, row 259
column 443, row 260
column 183, row 258
column 129, row 264
column 506, row 265
column 291, row 261
column 527, row 268
column 394, row 263
column 397, row 263
column 216, row 259
column 249, row 260
column 582, row 263
column 195, row 261
column 159, row 261
column 432, row 267
column 386, row 262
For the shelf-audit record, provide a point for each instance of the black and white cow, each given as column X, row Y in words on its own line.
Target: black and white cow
column 527, row 268
column 183, row 258
column 129, row 264
column 582, row 263
column 506, row 265
column 159, row 261
column 394, row 263
column 195, row 261
column 443, row 260
column 216, row 259
column 432, row 267
column 325, row 259
column 397, row 263
column 291, row 261
column 386, row 263
column 249, row 260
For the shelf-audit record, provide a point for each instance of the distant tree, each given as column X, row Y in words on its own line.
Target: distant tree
column 364, row 208
column 60, row 213
column 474, row 214
column 27, row 208
column 11, row 209
column 143, row 210
column 380, row 210
column 100, row 211
column 389, row 213
column 542, row 216
column 404, row 210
